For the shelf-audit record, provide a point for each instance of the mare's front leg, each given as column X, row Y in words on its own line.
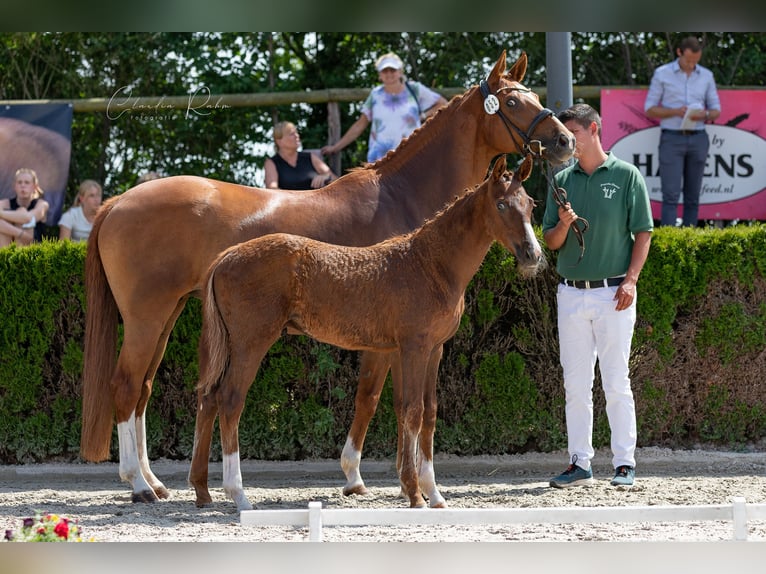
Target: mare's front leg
column 426, row 456
column 373, row 369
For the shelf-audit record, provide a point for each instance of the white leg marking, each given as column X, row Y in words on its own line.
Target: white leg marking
column 350, row 459
column 232, row 481
column 130, row 470
column 143, row 456
column 427, row 480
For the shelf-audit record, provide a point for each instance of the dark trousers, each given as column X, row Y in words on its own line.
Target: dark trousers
column 682, row 165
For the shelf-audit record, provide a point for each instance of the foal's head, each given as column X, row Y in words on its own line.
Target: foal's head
column 511, row 223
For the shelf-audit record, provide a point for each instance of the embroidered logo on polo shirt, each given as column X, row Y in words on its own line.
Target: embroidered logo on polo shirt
column 609, row 189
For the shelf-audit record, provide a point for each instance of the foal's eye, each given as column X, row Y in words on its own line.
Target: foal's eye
column 501, row 206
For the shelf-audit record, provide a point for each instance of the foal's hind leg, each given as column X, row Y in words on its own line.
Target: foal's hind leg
column 373, row 369
column 207, row 410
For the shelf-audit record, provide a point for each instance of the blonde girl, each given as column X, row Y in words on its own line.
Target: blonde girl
column 75, row 224
column 22, row 217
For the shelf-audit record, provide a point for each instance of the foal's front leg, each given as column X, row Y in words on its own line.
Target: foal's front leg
column 426, row 456
column 413, row 370
column 372, row 375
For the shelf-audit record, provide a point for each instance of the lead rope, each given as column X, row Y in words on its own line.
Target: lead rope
column 560, row 197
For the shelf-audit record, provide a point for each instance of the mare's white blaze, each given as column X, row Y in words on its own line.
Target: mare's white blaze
column 130, row 470
column 232, row 481
column 427, row 479
column 264, row 213
column 350, row 459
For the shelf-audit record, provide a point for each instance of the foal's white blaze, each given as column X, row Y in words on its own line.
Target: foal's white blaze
column 427, row 480
column 350, row 459
column 533, row 238
column 130, row 469
column 232, row 481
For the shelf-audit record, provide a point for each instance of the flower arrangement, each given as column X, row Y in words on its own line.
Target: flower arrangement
column 46, row 528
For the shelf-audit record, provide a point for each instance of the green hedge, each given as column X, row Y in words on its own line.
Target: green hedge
column 696, row 364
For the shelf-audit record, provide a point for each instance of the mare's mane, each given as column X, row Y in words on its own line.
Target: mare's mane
column 407, row 142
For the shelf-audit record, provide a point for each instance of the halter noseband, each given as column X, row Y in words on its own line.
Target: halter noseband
column 492, row 106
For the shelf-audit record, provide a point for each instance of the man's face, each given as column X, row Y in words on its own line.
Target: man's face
column 688, row 59
column 583, row 136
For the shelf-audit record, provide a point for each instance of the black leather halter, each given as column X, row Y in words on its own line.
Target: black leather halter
column 530, row 146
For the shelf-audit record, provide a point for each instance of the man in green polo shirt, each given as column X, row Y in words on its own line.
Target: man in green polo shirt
column 597, row 294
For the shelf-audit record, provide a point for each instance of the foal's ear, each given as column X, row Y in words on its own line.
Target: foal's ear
column 519, row 69
column 497, row 71
column 525, row 169
column 499, row 168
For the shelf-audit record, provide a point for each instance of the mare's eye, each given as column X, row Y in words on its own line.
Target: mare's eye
column 501, row 205
column 511, row 102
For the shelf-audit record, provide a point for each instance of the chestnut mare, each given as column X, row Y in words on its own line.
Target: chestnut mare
column 403, row 296
column 150, row 248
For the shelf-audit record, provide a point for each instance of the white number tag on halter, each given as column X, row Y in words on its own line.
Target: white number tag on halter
column 491, row 104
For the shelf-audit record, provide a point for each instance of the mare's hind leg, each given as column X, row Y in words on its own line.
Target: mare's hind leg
column 373, row 369
column 143, row 456
column 426, row 474
column 142, row 348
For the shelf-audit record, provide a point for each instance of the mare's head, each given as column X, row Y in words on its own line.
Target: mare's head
column 515, row 121
column 510, row 220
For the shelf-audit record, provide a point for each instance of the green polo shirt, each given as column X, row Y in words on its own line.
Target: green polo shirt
column 615, row 202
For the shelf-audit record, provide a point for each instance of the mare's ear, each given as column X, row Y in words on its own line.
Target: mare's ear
column 497, row 71
column 499, row 169
column 519, row 69
column 525, row 169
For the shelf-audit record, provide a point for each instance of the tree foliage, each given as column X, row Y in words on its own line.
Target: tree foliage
column 231, row 144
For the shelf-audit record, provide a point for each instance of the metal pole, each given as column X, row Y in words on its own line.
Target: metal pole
column 558, row 62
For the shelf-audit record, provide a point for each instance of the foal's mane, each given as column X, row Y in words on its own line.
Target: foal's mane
column 455, row 202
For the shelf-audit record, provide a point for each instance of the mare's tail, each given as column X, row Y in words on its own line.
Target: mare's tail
column 214, row 340
column 100, row 358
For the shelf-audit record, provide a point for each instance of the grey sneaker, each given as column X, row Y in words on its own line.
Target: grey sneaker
column 573, row 476
column 624, row 475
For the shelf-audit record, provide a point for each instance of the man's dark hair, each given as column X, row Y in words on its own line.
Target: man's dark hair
column 690, row 43
column 583, row 114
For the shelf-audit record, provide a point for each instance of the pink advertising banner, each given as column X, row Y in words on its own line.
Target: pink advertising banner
column 734, row 186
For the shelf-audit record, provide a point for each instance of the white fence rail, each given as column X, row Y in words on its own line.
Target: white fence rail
column 316, row 518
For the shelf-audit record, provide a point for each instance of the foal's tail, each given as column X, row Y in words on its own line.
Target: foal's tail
column 101, row 319
column 214, row 340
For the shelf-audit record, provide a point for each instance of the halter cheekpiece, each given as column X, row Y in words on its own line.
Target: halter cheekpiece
column 492, row 107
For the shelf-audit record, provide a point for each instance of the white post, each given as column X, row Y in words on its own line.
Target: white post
column 315, row 522
column 739, row 516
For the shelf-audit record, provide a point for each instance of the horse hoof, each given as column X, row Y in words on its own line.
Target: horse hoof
column 418, row 504
column 441, row 504
column 162, row 492
column 144, row 496
column 203, row 500
column 359, row 489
